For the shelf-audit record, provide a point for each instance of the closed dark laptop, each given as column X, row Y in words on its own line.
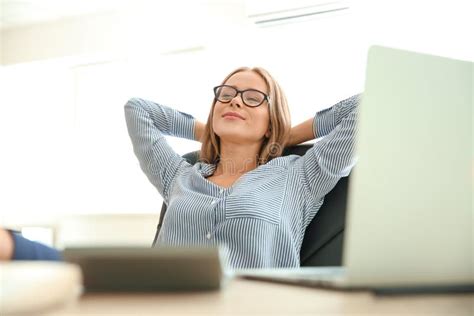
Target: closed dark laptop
column 147, row 269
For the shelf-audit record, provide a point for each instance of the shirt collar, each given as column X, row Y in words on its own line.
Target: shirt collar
column 205, row 169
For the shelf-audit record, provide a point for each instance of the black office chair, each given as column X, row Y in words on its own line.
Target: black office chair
column 323, row 240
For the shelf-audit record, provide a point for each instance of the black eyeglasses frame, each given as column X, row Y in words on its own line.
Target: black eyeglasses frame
column 266, row 97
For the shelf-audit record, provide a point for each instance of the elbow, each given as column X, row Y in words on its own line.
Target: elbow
column 133, row 102
column 134, row 106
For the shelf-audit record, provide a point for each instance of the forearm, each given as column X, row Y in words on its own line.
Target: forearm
column 147, row 122
column 328, row 119
column 323, row 122
column 199, row 130
column 302, row 133
column 150, row 115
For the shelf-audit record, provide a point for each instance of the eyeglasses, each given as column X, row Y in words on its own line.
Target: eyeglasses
column 250, row 97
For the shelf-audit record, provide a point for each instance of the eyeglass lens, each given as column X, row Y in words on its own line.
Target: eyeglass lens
column 250, row 97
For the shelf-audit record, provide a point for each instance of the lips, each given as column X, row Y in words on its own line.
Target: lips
column 233, row 114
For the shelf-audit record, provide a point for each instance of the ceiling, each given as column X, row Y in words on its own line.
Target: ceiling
column 15, row 13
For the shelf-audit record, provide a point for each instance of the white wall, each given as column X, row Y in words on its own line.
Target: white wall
column 99, row 32
column 65, row 149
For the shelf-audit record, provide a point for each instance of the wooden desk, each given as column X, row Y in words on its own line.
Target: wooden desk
column 246, row 297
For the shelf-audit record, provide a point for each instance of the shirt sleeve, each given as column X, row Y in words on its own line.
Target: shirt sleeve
column 147, row 123
column 25, row 249
column 332, row 157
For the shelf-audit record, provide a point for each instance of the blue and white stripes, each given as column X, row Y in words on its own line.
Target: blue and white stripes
column 261, row 219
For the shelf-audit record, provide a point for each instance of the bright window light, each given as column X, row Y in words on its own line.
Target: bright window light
column 43, row 235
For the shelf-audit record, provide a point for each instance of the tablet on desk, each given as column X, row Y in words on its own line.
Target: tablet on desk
column 148, row 269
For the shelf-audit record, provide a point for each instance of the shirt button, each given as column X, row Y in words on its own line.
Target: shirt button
column 213, row 202
column 221, row 190
column 208, row 235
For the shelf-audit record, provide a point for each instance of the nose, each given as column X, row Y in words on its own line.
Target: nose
column 237, row 100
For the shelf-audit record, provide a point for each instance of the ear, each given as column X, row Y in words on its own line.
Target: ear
column 268, row 133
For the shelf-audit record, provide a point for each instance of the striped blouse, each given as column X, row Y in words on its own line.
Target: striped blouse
column 261, row 219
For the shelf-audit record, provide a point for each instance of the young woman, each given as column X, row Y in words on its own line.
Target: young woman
column 242, row 195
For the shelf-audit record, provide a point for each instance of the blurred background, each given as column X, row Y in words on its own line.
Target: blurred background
column 68, row 175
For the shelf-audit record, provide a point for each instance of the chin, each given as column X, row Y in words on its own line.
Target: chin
column 238, row 138
column 236, row 133
column 228, row 131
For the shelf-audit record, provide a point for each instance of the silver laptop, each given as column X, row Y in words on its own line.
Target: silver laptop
column 409, row 217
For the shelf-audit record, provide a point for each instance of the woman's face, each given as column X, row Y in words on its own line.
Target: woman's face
column 254, row 125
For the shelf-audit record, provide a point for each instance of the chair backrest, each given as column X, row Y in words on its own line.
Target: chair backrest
column 323, row 240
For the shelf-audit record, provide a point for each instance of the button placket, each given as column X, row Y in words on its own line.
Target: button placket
column 218, row 212
column 222, row 193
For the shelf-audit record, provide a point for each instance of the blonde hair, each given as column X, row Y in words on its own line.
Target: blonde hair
column 280, row 123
